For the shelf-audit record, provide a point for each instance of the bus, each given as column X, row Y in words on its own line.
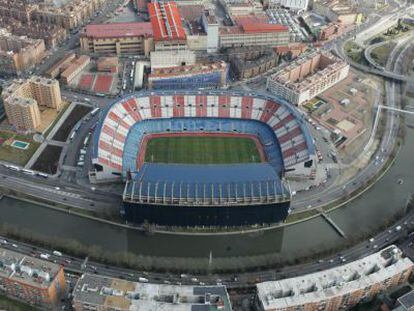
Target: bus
column 95, row 111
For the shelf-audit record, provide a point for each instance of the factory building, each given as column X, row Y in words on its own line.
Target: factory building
column 168, row 31
column 337, row 288
column 165, row 59
column 117, row 39
column 38, row 283
column 254, row 34
column 307, row 77
column 95, row 292
column 212, row 75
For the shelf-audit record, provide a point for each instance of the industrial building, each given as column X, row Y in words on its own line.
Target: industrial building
column 241, row 7
column 254, row 34
column 249, row 62
column 307, row 77
column 337, row 288
column 23, row 98
column 36, row 282
column 18, row 54
column 200, row 75
column 168, row 31
column 95, row 292
column 117, row 39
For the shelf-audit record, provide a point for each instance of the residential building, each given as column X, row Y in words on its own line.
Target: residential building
column 337, row 288
column 254, row 34
column 117, row 39
column 54, row 71
column 74, row 69
column 200, row 75
column 330, row 31
column 250, row 62
column 307, row 77
column 37, row 282
column 95, row 292
column 18, row 54
column 23, row 98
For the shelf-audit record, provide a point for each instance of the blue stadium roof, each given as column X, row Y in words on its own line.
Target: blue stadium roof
column 234, row 182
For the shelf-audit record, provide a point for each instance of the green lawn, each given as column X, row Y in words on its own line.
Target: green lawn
column 15, row 155
column 202, row 150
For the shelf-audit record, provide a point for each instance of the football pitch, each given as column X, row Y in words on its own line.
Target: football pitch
column 202, row 150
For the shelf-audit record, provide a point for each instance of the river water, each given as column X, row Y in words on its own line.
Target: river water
column 358, row 218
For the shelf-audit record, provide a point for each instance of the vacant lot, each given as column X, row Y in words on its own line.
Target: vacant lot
column 202, row 150
column 48, row 160
column 16, row 155
column 77, row 113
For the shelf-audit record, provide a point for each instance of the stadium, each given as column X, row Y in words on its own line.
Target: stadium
column 202, row 158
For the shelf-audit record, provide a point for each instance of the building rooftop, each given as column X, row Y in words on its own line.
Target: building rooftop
column 118, row 30
column 126, row 295
column 190, row 69
column 74, row 65
column 263, row 27
column 166, row 21
column 29, row 270
column 407, row 300
column 333, row 282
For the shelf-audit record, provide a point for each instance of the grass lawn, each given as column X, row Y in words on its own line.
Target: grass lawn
column 16, row 155
column 12, row 305
column 202, row 150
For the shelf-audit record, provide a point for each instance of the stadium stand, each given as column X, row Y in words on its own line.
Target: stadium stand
column 160, row 190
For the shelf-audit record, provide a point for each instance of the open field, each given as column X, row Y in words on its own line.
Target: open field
column 48, row 160
column 16, row 155
column 202, row 150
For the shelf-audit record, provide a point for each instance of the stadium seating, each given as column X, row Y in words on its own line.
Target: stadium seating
column 127, row 121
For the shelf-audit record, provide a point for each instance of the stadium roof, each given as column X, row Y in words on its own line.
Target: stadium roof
column 166, row 21
column 206, row 184
column 117, row 30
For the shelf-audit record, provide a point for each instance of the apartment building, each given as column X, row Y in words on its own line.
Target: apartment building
column 18, row 54
column 254, row 34
column 69, row 15
column 95, row 292
column 250, row 62
column 37, row 282
column 54, row 71
column 74, row 68
column 337, row 288
column 117, row 39
column 23, row 98
column 307, row 76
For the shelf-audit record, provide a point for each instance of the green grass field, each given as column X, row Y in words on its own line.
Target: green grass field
column 202, row 150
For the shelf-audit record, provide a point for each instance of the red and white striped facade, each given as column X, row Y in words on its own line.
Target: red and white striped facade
column 125, row 113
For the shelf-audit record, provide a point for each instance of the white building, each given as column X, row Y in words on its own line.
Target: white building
column 290, row 4
column 211, row 27
column 164, row 59
column 339, row 287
